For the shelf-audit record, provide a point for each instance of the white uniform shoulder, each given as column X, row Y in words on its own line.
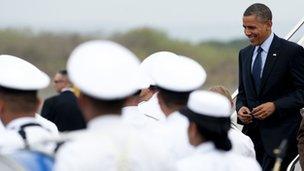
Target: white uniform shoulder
column 208, row 158
column 46, row 123
column 241, row 144
column 112, row 145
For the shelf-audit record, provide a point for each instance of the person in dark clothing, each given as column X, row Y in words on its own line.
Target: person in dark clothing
column 271, row 87
column 63, row 109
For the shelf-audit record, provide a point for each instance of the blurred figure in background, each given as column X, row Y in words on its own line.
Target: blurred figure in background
column 241, row 143
column 209, row 116
column 63, row 109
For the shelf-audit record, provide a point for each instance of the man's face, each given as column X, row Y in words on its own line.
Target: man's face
column 256, row 30
column 59, row 82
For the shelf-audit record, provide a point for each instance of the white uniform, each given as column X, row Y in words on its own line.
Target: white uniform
column 208, row 158
column 109, row 144
column 132, row 116
column 27, row 132
column 241, row 144
column 42, row 121
column 151, row 108
column 175, row 129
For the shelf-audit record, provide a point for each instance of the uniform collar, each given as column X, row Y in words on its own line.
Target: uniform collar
column 66, row 89
column 130, row 110
column 205, row 147
column 17, row 123
column 105, row 120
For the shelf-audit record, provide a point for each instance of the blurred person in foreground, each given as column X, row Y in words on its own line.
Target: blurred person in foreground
column 241, row 143
column 63, row 109
column 107, row 74
column 175, row 78
column 209, row 116
column 271, row 87
column 19, row 103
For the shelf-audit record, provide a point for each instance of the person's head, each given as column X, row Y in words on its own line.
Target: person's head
column 106, row 74
column 209, row 116
column 171, row 101
column 92, row 107
column 257, row 23
column 16, row 103
column 175, row 77
column 61, row 81
column 18, row 90
column 223, row 91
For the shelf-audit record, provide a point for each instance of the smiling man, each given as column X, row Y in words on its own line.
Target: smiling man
column 271, row 87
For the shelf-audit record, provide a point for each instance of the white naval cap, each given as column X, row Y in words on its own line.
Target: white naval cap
column 179, row 74
column 104, row 70
column 18, row 74
column 150, row 62
column 209, row 104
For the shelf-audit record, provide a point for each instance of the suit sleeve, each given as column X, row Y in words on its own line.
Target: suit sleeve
column 294, row 99
column 46, row 110
column 241, row 97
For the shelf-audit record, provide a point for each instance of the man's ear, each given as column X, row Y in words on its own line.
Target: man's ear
column 269, row 25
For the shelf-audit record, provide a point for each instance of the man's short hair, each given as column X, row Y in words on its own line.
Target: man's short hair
column 260, row 10
column 19, row 101
column 63, row 72
column 174, row 98
column 106, row 105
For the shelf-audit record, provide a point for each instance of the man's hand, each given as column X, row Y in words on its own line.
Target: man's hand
column 244, row 115
column 263, row 111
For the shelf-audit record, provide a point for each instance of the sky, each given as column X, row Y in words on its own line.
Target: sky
column 192, row 20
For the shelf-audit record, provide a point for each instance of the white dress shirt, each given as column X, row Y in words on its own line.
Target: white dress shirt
column 241, row 143
column 208, row 158
column 265, row 46
column 175, row 130
column 110, row 144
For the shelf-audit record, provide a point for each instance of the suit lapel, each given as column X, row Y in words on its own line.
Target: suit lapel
column 248, row 68
column 272, row 56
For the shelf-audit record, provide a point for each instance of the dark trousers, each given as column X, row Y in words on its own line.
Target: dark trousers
column 265, row 160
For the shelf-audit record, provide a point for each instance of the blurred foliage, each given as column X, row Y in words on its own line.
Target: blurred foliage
column 49, row 51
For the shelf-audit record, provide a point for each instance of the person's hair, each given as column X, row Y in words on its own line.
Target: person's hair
column 219, row 138
column 106, row 105
column 173, row 98
column 260, row 10
column 19, row 101
column 63, row 72
column 221, row 90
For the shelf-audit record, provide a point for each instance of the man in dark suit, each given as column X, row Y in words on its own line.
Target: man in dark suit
column 271, row 87
column 63, row 109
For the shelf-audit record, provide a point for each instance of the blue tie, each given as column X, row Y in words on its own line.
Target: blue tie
column 257, row 68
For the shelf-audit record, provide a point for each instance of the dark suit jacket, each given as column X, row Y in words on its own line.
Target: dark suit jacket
column 282, row 82
column 64, row 111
